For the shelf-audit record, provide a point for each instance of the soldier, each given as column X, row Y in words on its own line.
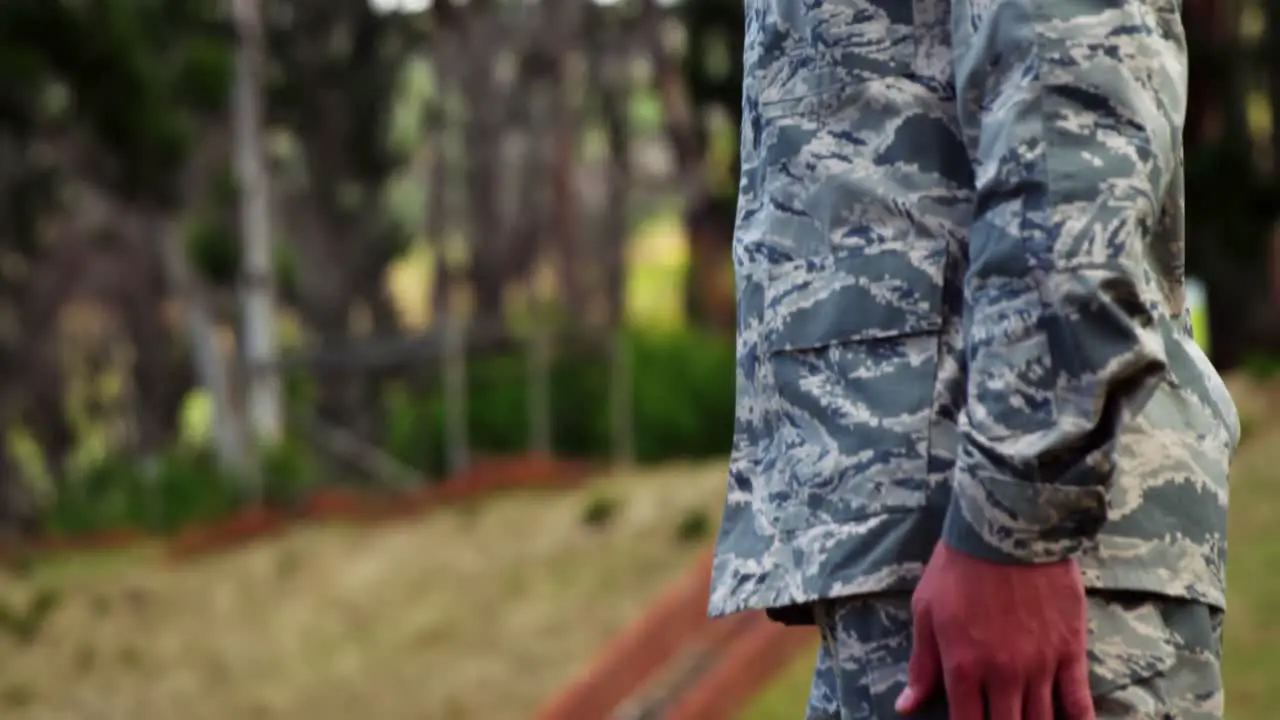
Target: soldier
column 975, row 441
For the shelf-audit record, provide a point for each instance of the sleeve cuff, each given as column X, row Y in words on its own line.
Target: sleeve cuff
column 1007, row 521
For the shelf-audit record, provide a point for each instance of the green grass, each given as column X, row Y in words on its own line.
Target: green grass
column 1253, row 619
column 60, row 568
column 1253, row 623
column 786, row 696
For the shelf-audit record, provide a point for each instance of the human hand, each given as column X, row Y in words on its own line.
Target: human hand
column 1002, row 639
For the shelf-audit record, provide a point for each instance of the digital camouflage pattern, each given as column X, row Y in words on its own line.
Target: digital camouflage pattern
column 1148, row 659
column 959, row 255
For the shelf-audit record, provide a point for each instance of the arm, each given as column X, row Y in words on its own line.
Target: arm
column 1072, row 111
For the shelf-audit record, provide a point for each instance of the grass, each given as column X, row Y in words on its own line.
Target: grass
column 1253, row 623
column 477, row 612
column 787, row 695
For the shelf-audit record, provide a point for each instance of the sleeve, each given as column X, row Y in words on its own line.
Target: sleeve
column 1072, row 111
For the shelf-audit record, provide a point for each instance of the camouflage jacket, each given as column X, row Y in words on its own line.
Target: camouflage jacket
column 959, row 254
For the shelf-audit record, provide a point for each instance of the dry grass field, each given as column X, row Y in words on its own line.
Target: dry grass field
column 478, row 612
column 471, row 613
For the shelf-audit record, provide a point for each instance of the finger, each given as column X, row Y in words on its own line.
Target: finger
column 1038, row 702
column 925, row 667
column 1073, row 689
column 964, row 696
column 1004, row 700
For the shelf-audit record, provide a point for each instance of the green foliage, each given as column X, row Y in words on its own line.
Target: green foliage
column 290, row 471
column 713, row 70
column 288, row 267
column 1262, row 367
column 694, row 527
column 599, row 511
column 683, row 404
column 156, row 495
column 684, row 396
column 214, row 251
column 213, row 247
column 1232, row 220
column 24, row 621
column 138, row 75
column 204, row 72
column 163, row 494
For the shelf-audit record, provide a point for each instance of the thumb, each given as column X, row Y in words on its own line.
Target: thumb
column 925, row 668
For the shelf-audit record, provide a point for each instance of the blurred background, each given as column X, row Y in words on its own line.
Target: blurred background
column 376, row 357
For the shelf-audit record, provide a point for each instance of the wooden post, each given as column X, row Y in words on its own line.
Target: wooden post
column 456, row 413
column 539, row 388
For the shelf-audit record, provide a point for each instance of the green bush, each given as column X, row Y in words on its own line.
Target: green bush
column 683, row 397
column 683, row 387
column 163, row 494
column 599, row 511
column 694, row 527
column 290, row 471
column 1262, row 366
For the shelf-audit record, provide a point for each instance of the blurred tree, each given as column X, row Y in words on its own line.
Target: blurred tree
column 1232, row 200
column 713, row 71
column 336, row 69
column 263, row 392
column 610, row 81
column 27, row 189
column 116, row 94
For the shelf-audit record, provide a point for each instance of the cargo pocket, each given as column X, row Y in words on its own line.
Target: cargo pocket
column 853, row 352
column 1154, row 657
column 1129, row 644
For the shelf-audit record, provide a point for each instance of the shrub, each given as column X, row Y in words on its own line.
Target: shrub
column 163, row 494
column 599, row 511
column 694, row 527
column 683, row 404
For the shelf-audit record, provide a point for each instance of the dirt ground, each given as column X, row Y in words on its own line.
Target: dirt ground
column 477, row 612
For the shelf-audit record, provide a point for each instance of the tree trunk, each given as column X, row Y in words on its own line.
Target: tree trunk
column 263, row 387
column 436, row 221
column 455, row 385
column 445, row 303
column 229, row 434
column 614, row 86
column 565, row 22
column 708, row 287
column 1271, row 42
column 536, row 209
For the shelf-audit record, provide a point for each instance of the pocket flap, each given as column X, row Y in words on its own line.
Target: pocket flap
column 852, row 297
column 1129, row 641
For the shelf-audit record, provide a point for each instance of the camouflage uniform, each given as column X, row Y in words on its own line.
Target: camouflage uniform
column 1149, row 658
column 959, row 254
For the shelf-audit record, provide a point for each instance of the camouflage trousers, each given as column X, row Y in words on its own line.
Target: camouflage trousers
column 1151, row 658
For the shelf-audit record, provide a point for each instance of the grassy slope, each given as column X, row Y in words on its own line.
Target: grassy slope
column 472, row 613
column 1253, row 624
